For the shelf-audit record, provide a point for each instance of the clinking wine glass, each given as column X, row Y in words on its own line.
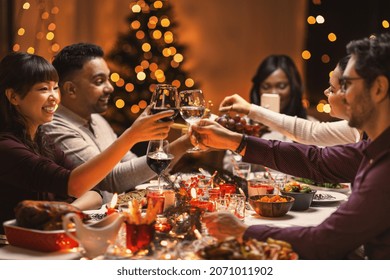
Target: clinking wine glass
column 158, row 157
column 165, row 97
column 192, row 108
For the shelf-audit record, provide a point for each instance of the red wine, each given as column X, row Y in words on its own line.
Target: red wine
column 167, row 119
column 158, row 163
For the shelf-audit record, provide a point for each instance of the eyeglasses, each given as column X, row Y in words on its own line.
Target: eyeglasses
column 345, row 81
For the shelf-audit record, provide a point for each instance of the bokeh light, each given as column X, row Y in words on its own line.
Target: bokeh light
column 306, row 54
column 332, row 37
column 311, row 20
column 120, row 103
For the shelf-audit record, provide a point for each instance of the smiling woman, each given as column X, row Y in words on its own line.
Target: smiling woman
column 32, row 167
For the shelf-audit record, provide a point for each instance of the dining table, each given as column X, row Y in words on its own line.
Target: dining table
column 313, row 216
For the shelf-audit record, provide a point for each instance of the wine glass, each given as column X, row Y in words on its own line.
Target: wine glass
column 158, row 157
column 165, row 98
column 192, row 108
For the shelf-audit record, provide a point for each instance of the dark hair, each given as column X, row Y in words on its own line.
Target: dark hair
column 20, row 72
column 285, row 63
column 73, row 57
column 342, row 64
column 372, row 57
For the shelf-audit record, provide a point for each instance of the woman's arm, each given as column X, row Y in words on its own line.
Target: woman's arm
column 89, row 201
column 146, row 127
column 306, row 131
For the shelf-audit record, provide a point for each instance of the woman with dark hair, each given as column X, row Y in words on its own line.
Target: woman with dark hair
column 299, row 129
column 278, row 74
column 32, row 168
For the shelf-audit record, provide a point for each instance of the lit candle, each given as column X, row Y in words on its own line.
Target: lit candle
column 111, row 208
column 197, row 234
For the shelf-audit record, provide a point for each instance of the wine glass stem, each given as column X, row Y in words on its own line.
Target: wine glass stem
column 158, row 181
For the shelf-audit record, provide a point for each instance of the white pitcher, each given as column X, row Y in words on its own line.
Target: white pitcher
column 94, row 238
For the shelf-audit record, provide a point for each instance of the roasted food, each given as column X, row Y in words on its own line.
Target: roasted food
column 139, row 195
column 251, row 249
column 44, row 215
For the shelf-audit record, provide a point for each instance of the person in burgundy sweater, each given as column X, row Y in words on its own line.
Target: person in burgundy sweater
column 364, row 219
column 30, row 166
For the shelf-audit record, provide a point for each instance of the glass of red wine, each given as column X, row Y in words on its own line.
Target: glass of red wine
column 158, row 157
column 165, row 97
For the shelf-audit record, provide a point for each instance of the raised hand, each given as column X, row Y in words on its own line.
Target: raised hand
column 235, row 103
column 149, row 127
column 211, row 134
column 223, row 225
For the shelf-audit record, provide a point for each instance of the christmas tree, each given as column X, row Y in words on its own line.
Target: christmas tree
column 148, row 54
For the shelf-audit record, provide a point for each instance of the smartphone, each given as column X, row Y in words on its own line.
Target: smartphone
column 271, row 101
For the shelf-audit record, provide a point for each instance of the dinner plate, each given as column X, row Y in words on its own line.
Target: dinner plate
column 326, row 197
column 344, row 189
column 144, row 186
column 10, row 252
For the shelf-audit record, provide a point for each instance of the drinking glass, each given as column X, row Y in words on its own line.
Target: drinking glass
column 165, row 97
column 192, row 107
column 158, row 157
column 242, row 169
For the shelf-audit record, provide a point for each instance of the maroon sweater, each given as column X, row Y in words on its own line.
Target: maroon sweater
column 362, row 220
column 26, row 175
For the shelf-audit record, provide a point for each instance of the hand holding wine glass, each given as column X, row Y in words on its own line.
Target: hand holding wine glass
column 158, row 157
column 192, row 108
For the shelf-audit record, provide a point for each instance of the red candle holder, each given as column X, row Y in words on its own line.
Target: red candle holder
column 139, row 237
column 205, row 205
column 227, row 189
column 111, row 211
column 214, row 194
column 154, row 196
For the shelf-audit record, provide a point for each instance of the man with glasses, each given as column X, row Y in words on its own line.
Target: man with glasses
column 364, row 219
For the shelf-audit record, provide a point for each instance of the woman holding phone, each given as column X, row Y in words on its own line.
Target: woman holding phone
column 300, row 129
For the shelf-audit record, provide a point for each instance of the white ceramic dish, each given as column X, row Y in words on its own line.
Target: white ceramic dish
column 343, row 190
column 144, row 186
column 326, row 197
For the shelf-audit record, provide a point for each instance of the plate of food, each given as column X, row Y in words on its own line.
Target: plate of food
column 334, row 187
column 326, row 197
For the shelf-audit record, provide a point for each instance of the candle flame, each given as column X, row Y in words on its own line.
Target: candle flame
column 114, row 200
column 193, row 193
column 197, row 234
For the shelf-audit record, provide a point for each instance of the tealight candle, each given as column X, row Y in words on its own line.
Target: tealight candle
column 111, row 207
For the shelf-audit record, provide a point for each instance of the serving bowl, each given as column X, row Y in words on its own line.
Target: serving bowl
column 39, row 240
column 302, row 199
column 271, row 209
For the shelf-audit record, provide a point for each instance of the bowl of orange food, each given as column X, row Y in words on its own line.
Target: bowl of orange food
column 271, row 205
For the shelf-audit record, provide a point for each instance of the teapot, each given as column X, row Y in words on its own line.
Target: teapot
column 94, row 238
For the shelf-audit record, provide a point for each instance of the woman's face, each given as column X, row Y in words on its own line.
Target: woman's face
column 336, row 100
column 277, row 83
column 39, row 104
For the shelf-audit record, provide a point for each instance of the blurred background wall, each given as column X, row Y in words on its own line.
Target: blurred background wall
column 225, row 39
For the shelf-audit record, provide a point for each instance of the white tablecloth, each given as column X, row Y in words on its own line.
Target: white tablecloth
column 310, row 217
